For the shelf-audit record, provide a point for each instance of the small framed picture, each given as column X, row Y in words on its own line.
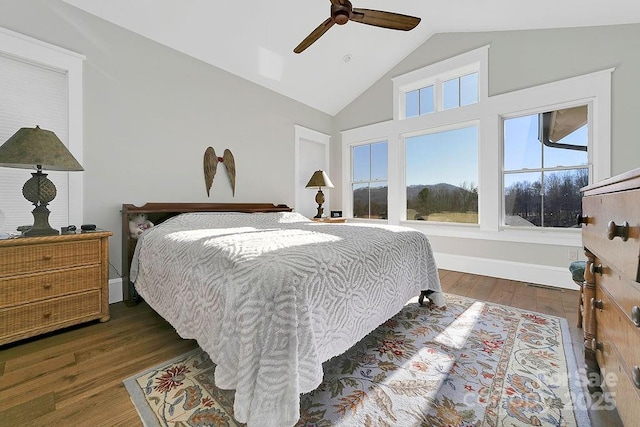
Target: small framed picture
column 336, row 214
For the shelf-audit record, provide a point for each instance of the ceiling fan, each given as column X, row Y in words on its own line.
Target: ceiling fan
column 342, row 12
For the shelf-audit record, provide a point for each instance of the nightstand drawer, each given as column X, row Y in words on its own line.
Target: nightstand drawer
column 25, row 289
column 48, row 315
column 47, row 257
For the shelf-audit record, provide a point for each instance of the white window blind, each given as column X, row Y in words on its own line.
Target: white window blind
column 30, row 95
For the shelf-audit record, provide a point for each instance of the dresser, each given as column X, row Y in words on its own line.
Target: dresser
column 611, row 238
column 48, row 283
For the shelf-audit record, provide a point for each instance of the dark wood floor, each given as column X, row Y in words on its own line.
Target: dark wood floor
column 74, row 377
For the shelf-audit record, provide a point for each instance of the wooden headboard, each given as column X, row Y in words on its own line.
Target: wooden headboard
column 159, row 212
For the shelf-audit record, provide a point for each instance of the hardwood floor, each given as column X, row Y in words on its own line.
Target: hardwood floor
column 74, row 377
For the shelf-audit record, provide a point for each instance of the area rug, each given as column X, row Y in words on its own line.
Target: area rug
column 472, row 364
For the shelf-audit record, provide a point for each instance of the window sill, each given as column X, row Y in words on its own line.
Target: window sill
column 570, row 237
column 561, row 237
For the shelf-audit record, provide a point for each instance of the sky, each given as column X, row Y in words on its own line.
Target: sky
column 450, row 157
column 523, row 149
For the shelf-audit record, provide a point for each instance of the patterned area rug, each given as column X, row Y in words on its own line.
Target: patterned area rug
column 473, row 364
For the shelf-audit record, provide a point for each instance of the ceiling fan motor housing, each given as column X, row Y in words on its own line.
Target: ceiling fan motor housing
column 341, row 13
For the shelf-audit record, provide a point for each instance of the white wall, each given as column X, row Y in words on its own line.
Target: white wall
column 150, row 113
column 517, row 60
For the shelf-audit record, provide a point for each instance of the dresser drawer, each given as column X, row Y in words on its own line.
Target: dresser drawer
column 618, row 207
column 624, row 292
column 618, row 336
column 34, row 287
column 619, row 391
column 49, row 314
column 47, row 257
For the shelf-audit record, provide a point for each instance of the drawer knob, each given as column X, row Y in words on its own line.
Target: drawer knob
column 47, row 286
column 596, row 304
column 635, row 315
column 595, row 345
column 47, row 315
column 582, row 219
column 46, row 257
column 635, row 374
column 621, row 231
column 596, row 269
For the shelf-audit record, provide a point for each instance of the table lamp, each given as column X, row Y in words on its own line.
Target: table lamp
column 39, row 148
column 319, row 179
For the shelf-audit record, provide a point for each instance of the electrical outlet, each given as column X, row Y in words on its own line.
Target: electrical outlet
column 572, row 254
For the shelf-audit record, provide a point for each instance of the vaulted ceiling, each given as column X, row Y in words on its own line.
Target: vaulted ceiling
column 255, row 39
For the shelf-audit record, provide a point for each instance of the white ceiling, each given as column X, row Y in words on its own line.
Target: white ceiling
column 255, row 39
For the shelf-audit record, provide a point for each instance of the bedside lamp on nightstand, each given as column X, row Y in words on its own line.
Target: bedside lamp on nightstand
column 319, row 179
column 41, row 149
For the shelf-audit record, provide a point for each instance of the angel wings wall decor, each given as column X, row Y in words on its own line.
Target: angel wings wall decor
column 211, row 164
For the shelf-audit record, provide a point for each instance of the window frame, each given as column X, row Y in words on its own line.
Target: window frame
column 475, row 61
column 31, row 50
column 593, row 89
column 588, row 166
column 351, row 182
column 403, row 197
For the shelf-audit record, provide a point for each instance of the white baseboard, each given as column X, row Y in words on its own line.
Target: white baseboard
column 531, row 273
column 115, row 290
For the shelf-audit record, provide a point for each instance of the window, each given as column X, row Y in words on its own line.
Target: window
column 41, row 85
column 501, row 167
column 545, row 165
column 460, row 91
column 369, row 180
column 444, row 91
column 41, row 92
column 442, row 176
column 420, row 101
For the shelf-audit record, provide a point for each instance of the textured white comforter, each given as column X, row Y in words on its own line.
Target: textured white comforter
column 272, row 296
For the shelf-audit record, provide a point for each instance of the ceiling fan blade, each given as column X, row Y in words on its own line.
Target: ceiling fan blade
column 379, row 18
column 315, row 35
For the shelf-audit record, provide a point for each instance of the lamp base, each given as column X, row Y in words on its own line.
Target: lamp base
column 41, row 225
column 319, row 201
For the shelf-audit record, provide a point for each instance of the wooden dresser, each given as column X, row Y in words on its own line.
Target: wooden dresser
column 48, row 283
column 611, row 238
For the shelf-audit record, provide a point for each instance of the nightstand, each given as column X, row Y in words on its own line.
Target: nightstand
column 330, row 220
column 52, row 282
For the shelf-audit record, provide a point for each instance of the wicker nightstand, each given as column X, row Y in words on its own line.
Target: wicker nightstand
column 330, row 220
column 48, row 283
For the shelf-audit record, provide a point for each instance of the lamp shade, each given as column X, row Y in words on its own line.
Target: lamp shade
column 319, row 179
column 30, row 147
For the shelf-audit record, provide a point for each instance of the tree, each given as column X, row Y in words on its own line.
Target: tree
column 554, row 204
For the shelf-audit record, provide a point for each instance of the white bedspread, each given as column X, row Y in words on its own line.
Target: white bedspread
column 272, row 296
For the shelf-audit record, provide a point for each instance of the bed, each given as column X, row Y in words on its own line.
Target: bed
column 272, row 295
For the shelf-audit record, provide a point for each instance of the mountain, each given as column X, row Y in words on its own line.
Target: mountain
column 379, row 194
column 414, row 190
